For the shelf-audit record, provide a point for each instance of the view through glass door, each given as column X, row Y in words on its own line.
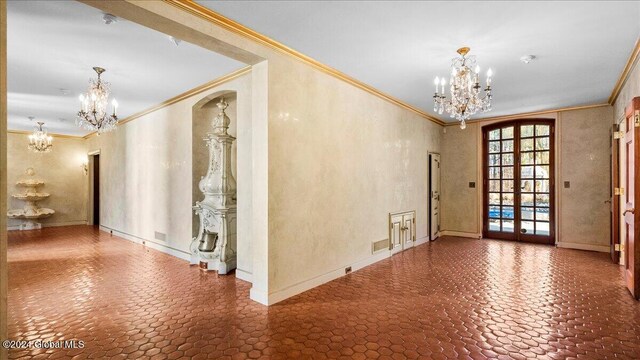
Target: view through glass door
column 519, row 181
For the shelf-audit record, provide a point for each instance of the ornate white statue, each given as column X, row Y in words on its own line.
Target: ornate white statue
column 214, row 248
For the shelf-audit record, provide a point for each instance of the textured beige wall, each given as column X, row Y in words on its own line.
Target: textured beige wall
column 147, row 172
column 62, row 173
column 584, row 161
column 459, row 203
column 340, row 160
column 582, row 156
column 3, row 176
column 630, row 90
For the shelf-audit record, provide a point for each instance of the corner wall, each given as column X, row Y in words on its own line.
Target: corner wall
column 582, row 157
column 340, row 160
column 147, row 174
column 61, row 170
column 630, row 89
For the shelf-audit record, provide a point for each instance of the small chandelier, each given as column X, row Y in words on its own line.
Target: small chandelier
column 40, row 141
column 93, row 106
column 466, row 97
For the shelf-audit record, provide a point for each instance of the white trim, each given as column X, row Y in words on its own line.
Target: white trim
column 303, row 286
column 243, row 275
column 258, row 296
column 422, row 240
column 149, row 243
column 460, row 234
column 589, row 247
column 324, row 278
column 69, row 223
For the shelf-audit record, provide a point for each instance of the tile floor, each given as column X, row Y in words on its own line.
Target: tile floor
column 454, row 298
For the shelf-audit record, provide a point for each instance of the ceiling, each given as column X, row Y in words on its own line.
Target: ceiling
column 53, row 45
column 399, row 47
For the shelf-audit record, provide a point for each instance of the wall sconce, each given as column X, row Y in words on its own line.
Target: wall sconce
column 85, row 167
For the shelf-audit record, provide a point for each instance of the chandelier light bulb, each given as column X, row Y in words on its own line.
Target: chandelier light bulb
column 477, row 69
column 463, row 125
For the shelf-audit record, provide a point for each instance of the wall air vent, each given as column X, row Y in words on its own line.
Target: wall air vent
column 160, row 236
column 379, row 245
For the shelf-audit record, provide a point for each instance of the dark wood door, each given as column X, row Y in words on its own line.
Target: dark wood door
column 96, row 190
column 615, row 202
column 519, row 182
column 632, row 182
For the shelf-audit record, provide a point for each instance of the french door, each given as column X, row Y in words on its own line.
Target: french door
column 518, row 186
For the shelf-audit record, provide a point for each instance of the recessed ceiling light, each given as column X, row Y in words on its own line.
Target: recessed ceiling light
column 109, row 19
column 527, row 58
column 174, row 40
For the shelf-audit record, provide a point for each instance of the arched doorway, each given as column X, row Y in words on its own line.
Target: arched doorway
column 519, row 182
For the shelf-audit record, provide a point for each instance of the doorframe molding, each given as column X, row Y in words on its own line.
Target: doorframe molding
column 555, row 135
column 429, row 153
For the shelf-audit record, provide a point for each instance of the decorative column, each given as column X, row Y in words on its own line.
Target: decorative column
column 215, row 246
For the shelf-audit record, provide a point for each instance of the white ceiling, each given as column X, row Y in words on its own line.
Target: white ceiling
column 54, row 45
column 399, row 47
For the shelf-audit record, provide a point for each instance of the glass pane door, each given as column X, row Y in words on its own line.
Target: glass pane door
column 501, row 180
column 518, row 181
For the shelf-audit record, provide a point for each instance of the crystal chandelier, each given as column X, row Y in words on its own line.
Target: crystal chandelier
column 93, row 106
column 40, row 141
column 466, row 96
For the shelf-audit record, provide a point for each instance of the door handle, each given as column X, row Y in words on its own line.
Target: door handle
column 632, row 210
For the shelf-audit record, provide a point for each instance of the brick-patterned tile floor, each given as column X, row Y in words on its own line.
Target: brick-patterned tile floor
column 454, row 298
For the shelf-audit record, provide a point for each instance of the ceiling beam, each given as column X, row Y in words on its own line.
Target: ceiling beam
column 237, row 28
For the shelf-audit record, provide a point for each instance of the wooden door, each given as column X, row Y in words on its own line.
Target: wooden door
column 519, row 181
column 96, row 190
column 632, row 197
column 434, row 196
column 615, row 202
column 402, row 231
column 395, row 232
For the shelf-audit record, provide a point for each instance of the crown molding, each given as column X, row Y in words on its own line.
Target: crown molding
column 184, row 95
column 25, row 132
column 625, row 73
column 527, row 114
column 237, row 28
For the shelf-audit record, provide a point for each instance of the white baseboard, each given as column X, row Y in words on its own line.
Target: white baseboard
column 243, row 275
column 589, row 247
column 149, row 243
column 460, row 234
column 68, row 223
column 303, row 286
column 422, row 240
column 259, row 296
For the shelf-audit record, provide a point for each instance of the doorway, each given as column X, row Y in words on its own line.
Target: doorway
column 519, row 182
column 434, row 196
column 631, row 197
column 94, row 190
